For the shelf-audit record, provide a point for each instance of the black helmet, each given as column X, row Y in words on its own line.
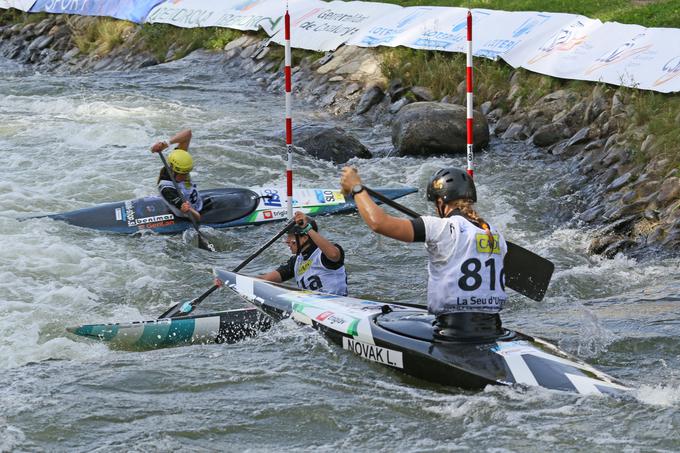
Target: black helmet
column 297, row 229
column 451, row 184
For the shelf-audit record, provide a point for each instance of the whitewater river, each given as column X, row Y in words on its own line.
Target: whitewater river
column 68, row 142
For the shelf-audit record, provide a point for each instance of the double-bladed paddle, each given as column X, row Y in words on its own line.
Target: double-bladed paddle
column 202, row 241
column 526, row 272
column 184, row 308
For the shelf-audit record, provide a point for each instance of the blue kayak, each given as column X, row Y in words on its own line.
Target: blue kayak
column 223, row 208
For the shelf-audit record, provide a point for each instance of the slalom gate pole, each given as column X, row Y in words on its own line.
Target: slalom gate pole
column 289, row 120
column 470, row 114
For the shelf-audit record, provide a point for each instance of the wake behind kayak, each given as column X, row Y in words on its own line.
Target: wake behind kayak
column 223, row 208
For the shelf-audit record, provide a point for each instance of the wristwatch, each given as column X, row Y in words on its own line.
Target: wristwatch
column 357, row 189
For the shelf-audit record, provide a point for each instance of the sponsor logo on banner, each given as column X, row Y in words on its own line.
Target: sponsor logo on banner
column 530, row 24
column 563, row 41
column 374, row 353
column 622, row 52
column 671, row 69
column 382, row 35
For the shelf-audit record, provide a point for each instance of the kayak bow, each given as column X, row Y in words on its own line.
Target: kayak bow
column 220, row 327
column 402, row 338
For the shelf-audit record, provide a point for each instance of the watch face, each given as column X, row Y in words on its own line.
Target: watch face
column 357, row 188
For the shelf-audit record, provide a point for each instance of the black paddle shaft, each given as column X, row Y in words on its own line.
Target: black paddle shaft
column 526, row 272
column 176, row 309
column 202, row 242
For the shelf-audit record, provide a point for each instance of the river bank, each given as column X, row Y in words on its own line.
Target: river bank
column 617, row 178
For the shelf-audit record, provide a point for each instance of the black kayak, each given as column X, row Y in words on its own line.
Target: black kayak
column 402, row 338
column 223, row 208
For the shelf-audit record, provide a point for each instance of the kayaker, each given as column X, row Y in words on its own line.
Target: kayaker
column 317, row 264
column 181, row 163
column 466, row 287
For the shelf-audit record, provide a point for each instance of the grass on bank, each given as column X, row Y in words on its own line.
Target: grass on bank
column 648, row 13
column 160, row 38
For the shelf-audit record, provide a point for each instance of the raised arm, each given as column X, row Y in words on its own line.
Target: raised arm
column 181, row 139
column 327, row 247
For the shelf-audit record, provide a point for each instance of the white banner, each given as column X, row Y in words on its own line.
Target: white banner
column 23, row 5
column 325, row 26
column 236, row 14
column 560, row 54
column 632, row 56
column 503, row 31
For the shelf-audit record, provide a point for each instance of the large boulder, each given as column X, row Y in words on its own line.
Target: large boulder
column 329, row 143
column 435, row 128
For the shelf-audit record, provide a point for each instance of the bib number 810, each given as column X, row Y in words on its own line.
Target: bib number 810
column 472, row 279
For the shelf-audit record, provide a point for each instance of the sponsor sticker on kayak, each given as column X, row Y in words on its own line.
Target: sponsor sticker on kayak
column 374, row 353
column 329, row 196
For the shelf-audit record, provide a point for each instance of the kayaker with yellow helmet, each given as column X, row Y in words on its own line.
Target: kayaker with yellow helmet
column 181, row 163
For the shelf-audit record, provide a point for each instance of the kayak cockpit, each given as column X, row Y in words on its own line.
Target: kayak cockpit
column 419, row 325
column 225, row 205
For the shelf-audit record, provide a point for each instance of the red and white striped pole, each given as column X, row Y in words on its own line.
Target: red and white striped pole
column 470, row 140
column 289, row 120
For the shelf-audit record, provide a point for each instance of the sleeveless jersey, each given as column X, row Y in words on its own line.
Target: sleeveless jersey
column 311, row 274
column 190, row 194
column 465, row 274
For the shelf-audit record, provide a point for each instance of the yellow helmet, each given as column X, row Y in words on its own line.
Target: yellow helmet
column 180, row 161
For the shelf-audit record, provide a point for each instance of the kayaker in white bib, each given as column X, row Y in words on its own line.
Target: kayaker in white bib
column 466, row 286
column 181, row 163
column 317, row 264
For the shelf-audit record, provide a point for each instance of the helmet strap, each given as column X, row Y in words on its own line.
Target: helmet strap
column 441, row 207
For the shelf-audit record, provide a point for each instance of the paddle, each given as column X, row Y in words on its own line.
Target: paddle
column 187, row 307
column 525, row 272
column 202, row 241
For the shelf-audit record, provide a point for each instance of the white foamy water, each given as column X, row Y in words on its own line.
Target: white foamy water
column 70, row 142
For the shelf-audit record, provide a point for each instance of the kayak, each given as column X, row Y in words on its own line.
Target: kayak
column 219, row 327
column 223, row 208
column 402, row 338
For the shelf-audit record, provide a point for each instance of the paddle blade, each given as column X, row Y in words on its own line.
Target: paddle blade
column 204, row 244
column 526, row 272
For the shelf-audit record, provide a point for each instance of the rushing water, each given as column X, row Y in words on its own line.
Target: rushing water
column 73, row 141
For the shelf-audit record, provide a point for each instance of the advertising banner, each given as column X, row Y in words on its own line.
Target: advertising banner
column 633, row 56
column 502, row 31
column 561, row 54
column 132, row 10
column 236, row 14
column 325, row 26
column 385, row 30
column 23, row 5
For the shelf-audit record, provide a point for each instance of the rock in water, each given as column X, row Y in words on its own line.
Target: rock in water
column 435, row 128
column 329, row 143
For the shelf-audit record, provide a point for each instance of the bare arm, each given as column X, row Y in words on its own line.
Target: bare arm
column 327, row 248
column 181, row 138
column 374, row 216
column 272, row 276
